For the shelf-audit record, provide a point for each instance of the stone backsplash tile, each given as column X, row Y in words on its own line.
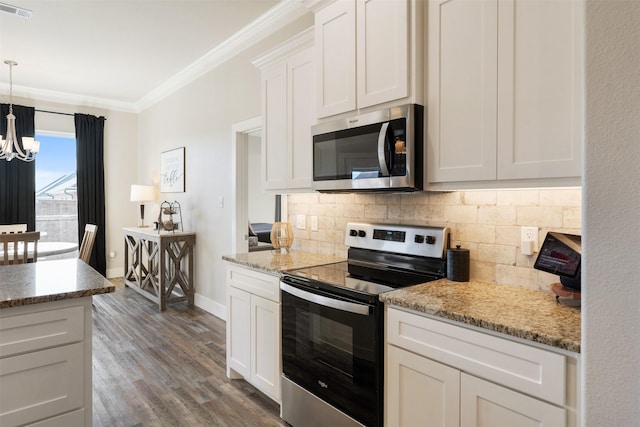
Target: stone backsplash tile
column 486, row 222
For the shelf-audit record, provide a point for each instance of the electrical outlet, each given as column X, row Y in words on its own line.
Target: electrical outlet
column 528, row 240
column 300, row 222
column 314, row 223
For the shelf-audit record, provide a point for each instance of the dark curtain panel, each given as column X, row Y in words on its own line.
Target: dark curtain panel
column 18, row 178
column 90, row 173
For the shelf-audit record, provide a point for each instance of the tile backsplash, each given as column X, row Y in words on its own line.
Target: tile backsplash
column 486, row 222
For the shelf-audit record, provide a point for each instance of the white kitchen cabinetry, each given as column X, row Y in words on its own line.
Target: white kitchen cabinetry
column 454, row 376
column 505, row 91
column 368, row 52
column 45, row 364
column 414, row 380
column 253, row 329
column 288, row 111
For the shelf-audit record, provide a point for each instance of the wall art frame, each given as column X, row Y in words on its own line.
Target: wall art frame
column 172, row 171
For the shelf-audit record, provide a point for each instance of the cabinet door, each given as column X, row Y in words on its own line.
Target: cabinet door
column 382, row 46
column 462, row 87
column 335, row 48
column 540, row 65
column 239, row 331
column 420, row 391
column 484, row 404
column 265, row 343
column 301, row 114
column 274, row 121
column 42, row 384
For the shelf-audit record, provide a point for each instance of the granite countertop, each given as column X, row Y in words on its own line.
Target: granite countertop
column 525, row 313
column 277, row 263
column 45, row 281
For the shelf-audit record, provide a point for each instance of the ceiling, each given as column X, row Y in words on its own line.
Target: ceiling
column 116, row 53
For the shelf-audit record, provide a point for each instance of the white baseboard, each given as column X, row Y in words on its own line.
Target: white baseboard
column 211, row 306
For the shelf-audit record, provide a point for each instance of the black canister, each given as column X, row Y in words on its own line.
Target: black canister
column 458, row 264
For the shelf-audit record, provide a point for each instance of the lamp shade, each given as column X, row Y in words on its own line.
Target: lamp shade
column 141, row 193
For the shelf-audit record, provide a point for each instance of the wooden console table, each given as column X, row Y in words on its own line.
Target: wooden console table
column 160, row 266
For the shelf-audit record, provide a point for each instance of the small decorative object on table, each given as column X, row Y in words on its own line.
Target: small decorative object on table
column 281, row 236
column 166, row 221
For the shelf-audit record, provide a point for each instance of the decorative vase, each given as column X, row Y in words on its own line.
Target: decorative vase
column 282, row 235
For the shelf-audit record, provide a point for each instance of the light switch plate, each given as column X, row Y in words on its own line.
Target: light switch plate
column 300, row 222
column 314, row 223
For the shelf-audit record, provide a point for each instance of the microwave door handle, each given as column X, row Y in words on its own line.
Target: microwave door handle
column 327, row 302
column 382, row 160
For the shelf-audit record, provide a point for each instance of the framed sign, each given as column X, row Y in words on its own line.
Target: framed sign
column 172, row 171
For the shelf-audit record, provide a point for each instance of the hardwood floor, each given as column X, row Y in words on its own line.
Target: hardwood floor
column 153, row 368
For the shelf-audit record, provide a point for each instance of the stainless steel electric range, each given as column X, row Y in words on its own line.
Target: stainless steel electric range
column 333, row 322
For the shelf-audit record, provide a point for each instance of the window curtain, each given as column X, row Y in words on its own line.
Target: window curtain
column 18, row 178
column 90, row 178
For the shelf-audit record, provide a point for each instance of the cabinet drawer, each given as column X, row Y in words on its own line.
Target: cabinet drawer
column 36, row 331
column 59, row 375
column 261, row 284
column 526, row 368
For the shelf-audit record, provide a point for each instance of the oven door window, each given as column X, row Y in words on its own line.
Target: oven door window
column 333, row 354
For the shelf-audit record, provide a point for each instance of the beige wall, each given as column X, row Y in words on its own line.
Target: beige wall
column 200, row 117
column 486, row 222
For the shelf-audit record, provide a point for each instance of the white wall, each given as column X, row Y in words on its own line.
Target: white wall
column 611, row 272
column 199, row 117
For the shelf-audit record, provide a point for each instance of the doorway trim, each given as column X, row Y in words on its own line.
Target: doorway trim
column 239, row 191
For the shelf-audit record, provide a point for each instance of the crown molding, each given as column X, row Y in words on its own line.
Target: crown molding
column 70, row 99
column 299, row 41
column 274, row 19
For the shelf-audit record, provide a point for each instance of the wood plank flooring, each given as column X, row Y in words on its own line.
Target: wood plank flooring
column 153, row 368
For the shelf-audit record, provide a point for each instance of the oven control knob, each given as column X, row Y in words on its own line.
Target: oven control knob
column 353, row 233
column 430, row 240
column 419, row 238
column 362, row 233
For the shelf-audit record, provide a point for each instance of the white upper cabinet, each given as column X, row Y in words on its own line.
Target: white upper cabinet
column 462, row 86
column 335, row 55
column 540, row 67
column 288, row 111
column 504, row 91
column 366, row 54
column 382, row 51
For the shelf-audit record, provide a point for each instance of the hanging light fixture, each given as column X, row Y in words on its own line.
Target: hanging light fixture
column 10, row 148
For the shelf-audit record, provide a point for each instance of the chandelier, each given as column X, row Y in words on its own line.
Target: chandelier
column 10, row 148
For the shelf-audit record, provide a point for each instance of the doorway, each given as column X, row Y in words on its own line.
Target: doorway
column 247, row 193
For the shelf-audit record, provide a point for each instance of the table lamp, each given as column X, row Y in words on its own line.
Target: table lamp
column 141, row 193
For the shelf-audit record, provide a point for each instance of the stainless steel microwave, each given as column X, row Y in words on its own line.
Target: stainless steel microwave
column 377, row 151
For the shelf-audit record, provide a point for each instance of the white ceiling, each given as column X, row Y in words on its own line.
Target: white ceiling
column 118, row 53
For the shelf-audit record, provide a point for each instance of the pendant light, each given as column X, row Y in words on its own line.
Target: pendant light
column 10, row 148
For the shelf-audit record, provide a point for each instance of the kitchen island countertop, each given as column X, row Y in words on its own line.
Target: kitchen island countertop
column 46, row 281
column 533, row 315
column 276, row 263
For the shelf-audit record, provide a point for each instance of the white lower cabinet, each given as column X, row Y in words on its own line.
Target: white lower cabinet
column 45, row 364
column 253, row 329
column 484, row 404
column 420, row 392
column 440, row 374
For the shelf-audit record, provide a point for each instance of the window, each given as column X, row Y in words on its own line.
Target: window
column 56, row 190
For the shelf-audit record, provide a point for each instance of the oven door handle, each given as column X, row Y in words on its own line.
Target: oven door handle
column 350, row 307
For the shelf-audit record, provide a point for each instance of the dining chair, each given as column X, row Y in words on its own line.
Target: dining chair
column 86, row 247
column 16, row 248
column 13, row 228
